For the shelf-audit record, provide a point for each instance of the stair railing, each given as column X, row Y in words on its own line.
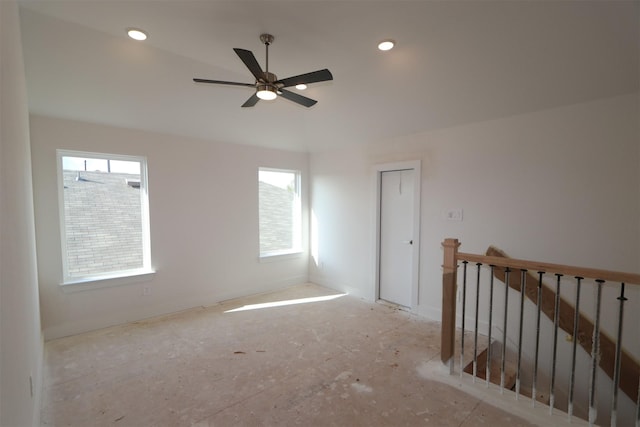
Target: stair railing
column 606, row 353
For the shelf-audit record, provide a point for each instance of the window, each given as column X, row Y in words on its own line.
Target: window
column 280, row 212
column 104, row 216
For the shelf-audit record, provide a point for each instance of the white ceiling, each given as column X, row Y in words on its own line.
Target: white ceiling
column 455, row 62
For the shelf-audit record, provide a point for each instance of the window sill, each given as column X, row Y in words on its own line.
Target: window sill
column 280, row 256
column 107, row 280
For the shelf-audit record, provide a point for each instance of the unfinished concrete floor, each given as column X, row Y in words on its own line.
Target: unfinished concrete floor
column 337, row 361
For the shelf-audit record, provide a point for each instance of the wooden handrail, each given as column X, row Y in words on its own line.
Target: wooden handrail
column 567, row 270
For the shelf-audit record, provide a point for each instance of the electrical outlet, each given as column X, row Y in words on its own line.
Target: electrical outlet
column 146, row 290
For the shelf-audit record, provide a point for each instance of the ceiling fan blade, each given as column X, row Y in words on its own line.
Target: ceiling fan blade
column 299, row 99
column 220, row 82
column 251, row 62
column 313, row 77
column 253, row 100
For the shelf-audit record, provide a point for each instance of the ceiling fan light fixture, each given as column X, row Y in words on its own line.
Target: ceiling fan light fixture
column 267, row 86
column 136, row 34
column 266, row 92
column 301, row 86
column 386, row 45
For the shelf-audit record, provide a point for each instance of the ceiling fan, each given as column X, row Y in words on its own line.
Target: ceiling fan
column 267, row 85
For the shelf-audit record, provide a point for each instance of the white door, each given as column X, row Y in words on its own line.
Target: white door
column 396, row 236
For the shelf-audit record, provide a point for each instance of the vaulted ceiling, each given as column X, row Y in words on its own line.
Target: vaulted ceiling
column 455, row 62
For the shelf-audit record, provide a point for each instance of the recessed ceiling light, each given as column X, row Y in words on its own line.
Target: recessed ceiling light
column 386, row 45
column 136, row 34
column 301, row 86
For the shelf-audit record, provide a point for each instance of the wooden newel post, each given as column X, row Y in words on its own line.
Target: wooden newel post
column 449, row 281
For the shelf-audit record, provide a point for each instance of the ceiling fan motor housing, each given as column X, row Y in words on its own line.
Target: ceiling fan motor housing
column 269, row 77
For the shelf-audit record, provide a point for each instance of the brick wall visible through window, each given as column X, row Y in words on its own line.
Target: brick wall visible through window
column 280, row 214
column 103, row 224
column 104, row 214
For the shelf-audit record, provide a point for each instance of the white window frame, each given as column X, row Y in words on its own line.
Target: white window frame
column 111, row 278
column 296, row 249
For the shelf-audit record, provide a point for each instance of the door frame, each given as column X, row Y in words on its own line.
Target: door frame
column 415, row 165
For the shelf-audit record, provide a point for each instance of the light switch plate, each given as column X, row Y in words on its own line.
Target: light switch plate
column 452, row 214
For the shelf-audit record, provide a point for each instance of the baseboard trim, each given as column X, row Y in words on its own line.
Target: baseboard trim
column 142, row 313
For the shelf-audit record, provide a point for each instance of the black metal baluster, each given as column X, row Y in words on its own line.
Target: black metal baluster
column 507, row 273
column 616, row 369
column 534, row 390
column 556, row 314
column 464, row 304
column 595, row 356
column 475, row 338
column 488, row 369
column 638, row 407
column 576, row 319
column 523, row 290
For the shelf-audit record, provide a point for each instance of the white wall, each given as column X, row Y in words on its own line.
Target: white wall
column 558, row 185
column 203, row 199
column 342, row 221
column 21, row 347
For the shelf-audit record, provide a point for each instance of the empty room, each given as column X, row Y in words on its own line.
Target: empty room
column 319, row 212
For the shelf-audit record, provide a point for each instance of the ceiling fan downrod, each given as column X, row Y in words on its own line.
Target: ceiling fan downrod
column 267, row 39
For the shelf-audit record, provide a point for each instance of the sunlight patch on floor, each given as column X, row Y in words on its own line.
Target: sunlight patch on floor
column 285, row 302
